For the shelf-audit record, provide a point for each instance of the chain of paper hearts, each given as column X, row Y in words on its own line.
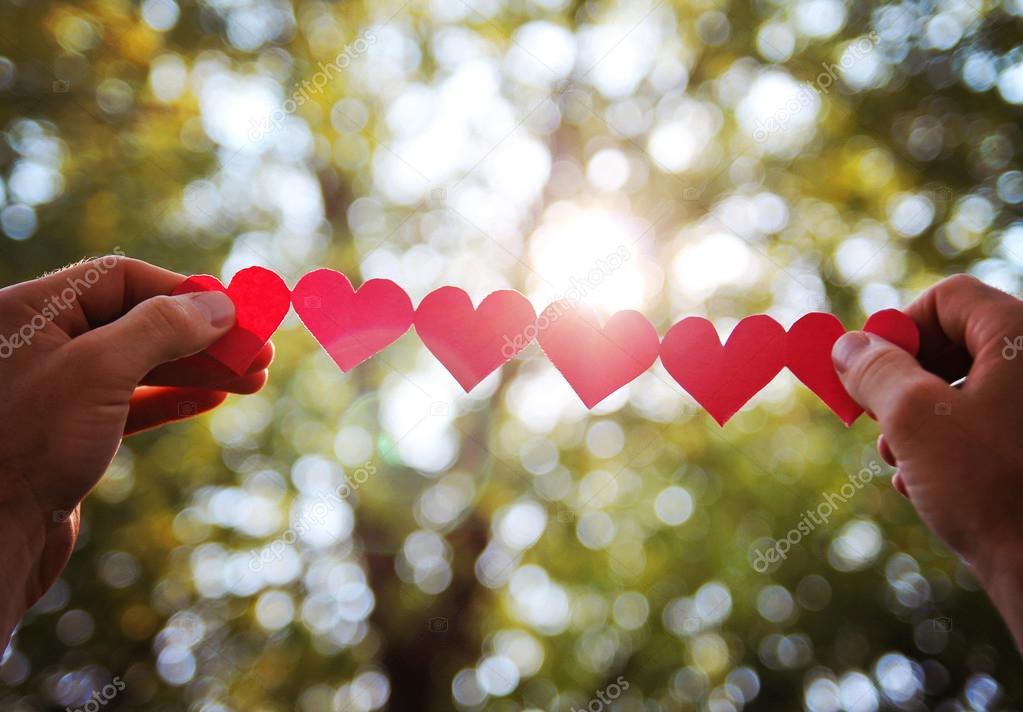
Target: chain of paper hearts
column 596, row 360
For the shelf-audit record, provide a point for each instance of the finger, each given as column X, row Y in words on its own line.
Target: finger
column 885, row 450
column 958, row 319
column 158, row 330
column 888, row 381
column 202, row 371
column 900, row 485
column 244, row 385
column 96, row 292
column 151, row 407
column 248, row 384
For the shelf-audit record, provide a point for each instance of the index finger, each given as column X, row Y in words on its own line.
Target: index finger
column 960, row 318
column 97, row 292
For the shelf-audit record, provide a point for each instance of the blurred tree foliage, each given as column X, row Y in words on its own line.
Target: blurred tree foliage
column 376, row 540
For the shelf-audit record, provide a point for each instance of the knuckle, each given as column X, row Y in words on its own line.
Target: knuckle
column 967, row 287
column 112, row 264
column 1008, row 318
column 960, row 287
column 960, row 283
column 880, row 366
column 166, row 315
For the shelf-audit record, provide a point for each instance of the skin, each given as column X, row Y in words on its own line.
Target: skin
column 117, row 358
column 123, row 357
column 958, row 451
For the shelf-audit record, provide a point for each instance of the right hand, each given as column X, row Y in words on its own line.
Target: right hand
column 959, row 453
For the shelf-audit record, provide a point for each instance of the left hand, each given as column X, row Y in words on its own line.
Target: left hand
column 88, row 355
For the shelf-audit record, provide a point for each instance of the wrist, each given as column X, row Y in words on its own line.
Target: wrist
column 23, row 531
column 1001, row 575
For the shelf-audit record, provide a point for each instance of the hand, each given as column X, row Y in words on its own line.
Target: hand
column 75, row 347
column 959, row 453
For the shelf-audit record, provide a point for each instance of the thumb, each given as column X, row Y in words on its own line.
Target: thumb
column 158, row 330
column 886, row 380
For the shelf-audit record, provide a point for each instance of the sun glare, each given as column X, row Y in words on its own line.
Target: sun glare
column 715, row 260
column 591, row 257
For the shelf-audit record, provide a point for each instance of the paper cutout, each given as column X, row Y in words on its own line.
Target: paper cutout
column 723, row 378
column 809, row 353
column 351, row 325
column 261, row 301
column 472, row 343
column 596, row 361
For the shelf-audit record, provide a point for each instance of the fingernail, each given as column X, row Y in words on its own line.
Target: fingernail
column 848, row 346
column 217, row 307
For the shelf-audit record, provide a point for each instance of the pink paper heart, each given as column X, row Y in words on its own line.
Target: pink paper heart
column 261, row 301
column 596, row 361
column 472, row 343
column 351, row 325
column 809, row 343
column 723, row 378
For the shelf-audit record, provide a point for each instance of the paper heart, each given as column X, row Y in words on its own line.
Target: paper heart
column 722, row 378
column 261, row 301
column 809, row 343
column 351, row 325
column 472, row 343
column 596, row 361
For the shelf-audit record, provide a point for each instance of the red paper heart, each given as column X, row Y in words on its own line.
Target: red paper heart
column 472, row 343
column 596, row 361
column 261, row 301
column 351, row 325
column 722, row 378
column 809, row 353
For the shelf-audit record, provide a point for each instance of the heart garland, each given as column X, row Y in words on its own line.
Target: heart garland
column 808, row 353
column 261, row 301
column 351, row 325
column 473, row 343
column 722, row 378
column 596, row 360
